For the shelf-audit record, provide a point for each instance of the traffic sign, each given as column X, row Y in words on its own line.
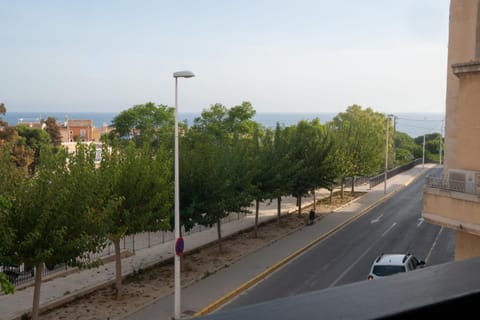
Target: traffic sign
column 179, row 246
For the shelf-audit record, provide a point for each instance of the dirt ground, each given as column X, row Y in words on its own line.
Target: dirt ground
column 146, row 286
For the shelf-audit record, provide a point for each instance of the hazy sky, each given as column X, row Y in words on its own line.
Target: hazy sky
column 282, row 56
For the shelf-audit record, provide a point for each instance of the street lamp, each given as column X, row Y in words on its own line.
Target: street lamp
column 176, row 75
column 386, row 153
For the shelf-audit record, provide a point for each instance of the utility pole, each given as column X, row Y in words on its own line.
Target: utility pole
column 393, row 137
column 423, row 153
column 441, row 142
column 386, row 155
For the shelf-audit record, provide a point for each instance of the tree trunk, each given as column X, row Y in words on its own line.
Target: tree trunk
column 353, row 184
column 36, row 291
column 219, row 233
column 279, row 209
column 118, row 268
column 331, row 195
column 314, row 200
column 257, row 205
column 299, row 204
column 341, row 188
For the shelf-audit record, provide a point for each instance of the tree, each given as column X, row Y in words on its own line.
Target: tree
column 33, row 140
column 215, row 178
column 136, row 193
column 432, row 147
column 9, row 173
column 405, row 147
column 258, row 154
column 360, row 142
column 3, row 111
column 50, row 224
column 53, row 131
column 146, row 120
column 310, row 144
column 282, row 169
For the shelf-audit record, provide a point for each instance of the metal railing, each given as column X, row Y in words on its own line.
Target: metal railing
column 375, row 180
column 20, row 275
column 442, row 182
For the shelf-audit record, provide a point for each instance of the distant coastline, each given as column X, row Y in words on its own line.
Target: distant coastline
column 414, row 124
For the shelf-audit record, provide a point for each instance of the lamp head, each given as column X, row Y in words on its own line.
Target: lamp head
column 183, row 74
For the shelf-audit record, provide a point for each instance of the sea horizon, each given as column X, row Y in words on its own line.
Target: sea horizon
column 412, row 123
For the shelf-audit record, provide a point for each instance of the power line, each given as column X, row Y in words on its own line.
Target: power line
column 422, row 120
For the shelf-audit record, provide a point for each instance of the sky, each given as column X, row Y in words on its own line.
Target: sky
column 282, row 56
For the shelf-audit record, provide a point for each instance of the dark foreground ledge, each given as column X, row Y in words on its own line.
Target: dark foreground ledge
column 446, row 289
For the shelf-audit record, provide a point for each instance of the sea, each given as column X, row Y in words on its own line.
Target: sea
column 413, row 124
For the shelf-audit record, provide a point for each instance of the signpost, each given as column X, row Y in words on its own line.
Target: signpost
column 179, row 246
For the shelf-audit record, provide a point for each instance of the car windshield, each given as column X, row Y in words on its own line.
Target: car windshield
column 387, row 270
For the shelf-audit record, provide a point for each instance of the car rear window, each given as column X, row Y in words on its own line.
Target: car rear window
column 387, row 270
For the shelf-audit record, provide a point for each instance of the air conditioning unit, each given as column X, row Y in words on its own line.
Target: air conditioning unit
column 464, row 180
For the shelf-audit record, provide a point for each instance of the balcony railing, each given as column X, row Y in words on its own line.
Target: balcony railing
column 442, row 182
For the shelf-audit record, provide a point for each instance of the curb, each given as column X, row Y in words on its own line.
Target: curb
column 222, row 300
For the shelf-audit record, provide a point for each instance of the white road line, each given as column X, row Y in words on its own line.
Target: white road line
column 352, row 265
column 376, row 219
column 391, row 227
column 359, row 258
column 433, row 245
column 420, row 221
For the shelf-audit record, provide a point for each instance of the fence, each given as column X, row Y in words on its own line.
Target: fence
column 21, row 274
column 375, row 180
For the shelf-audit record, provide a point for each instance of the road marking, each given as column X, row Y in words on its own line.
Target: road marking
column 376, row 219
column 434, row 244
column 352, row 265
column 360, row 257
column 391, row 227
column 420, row 221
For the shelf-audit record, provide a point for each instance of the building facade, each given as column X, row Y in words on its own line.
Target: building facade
column 81, row 130
column 453, row 200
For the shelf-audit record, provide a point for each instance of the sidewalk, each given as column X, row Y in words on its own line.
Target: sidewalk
column 63, row 289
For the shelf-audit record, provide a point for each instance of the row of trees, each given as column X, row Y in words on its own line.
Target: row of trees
column 66, row 206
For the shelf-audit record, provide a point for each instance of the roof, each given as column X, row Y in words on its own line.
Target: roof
column 392, row 259
column 80, row 123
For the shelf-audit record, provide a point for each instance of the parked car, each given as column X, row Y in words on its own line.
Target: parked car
column 389, row 264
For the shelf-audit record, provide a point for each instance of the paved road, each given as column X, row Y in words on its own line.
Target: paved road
column 392, row 227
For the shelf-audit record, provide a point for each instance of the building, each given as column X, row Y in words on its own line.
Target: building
column 453, row 200
column 79, row 129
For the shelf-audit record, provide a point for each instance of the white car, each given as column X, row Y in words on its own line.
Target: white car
column 388, row 264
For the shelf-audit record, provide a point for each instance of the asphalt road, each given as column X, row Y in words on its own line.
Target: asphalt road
column 394, row 226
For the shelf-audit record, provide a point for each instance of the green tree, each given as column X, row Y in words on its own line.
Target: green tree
column 33, row 139
column 310, row 145
column 282, row 169
column 53, row 131
column 155, row 122
column 50, row 224
column 3, row 111
column 8, row 172
column 136, row 193
column 360, row 142
column 432, row 147
column 215, row 178
column 405, row 148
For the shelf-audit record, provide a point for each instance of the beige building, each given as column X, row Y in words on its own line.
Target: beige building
column 453, row 200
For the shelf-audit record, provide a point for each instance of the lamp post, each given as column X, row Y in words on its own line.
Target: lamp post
column 177, row 310
column 386, row 154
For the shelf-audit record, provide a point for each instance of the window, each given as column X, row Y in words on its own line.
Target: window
column 387, row 270
column 83, row 133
